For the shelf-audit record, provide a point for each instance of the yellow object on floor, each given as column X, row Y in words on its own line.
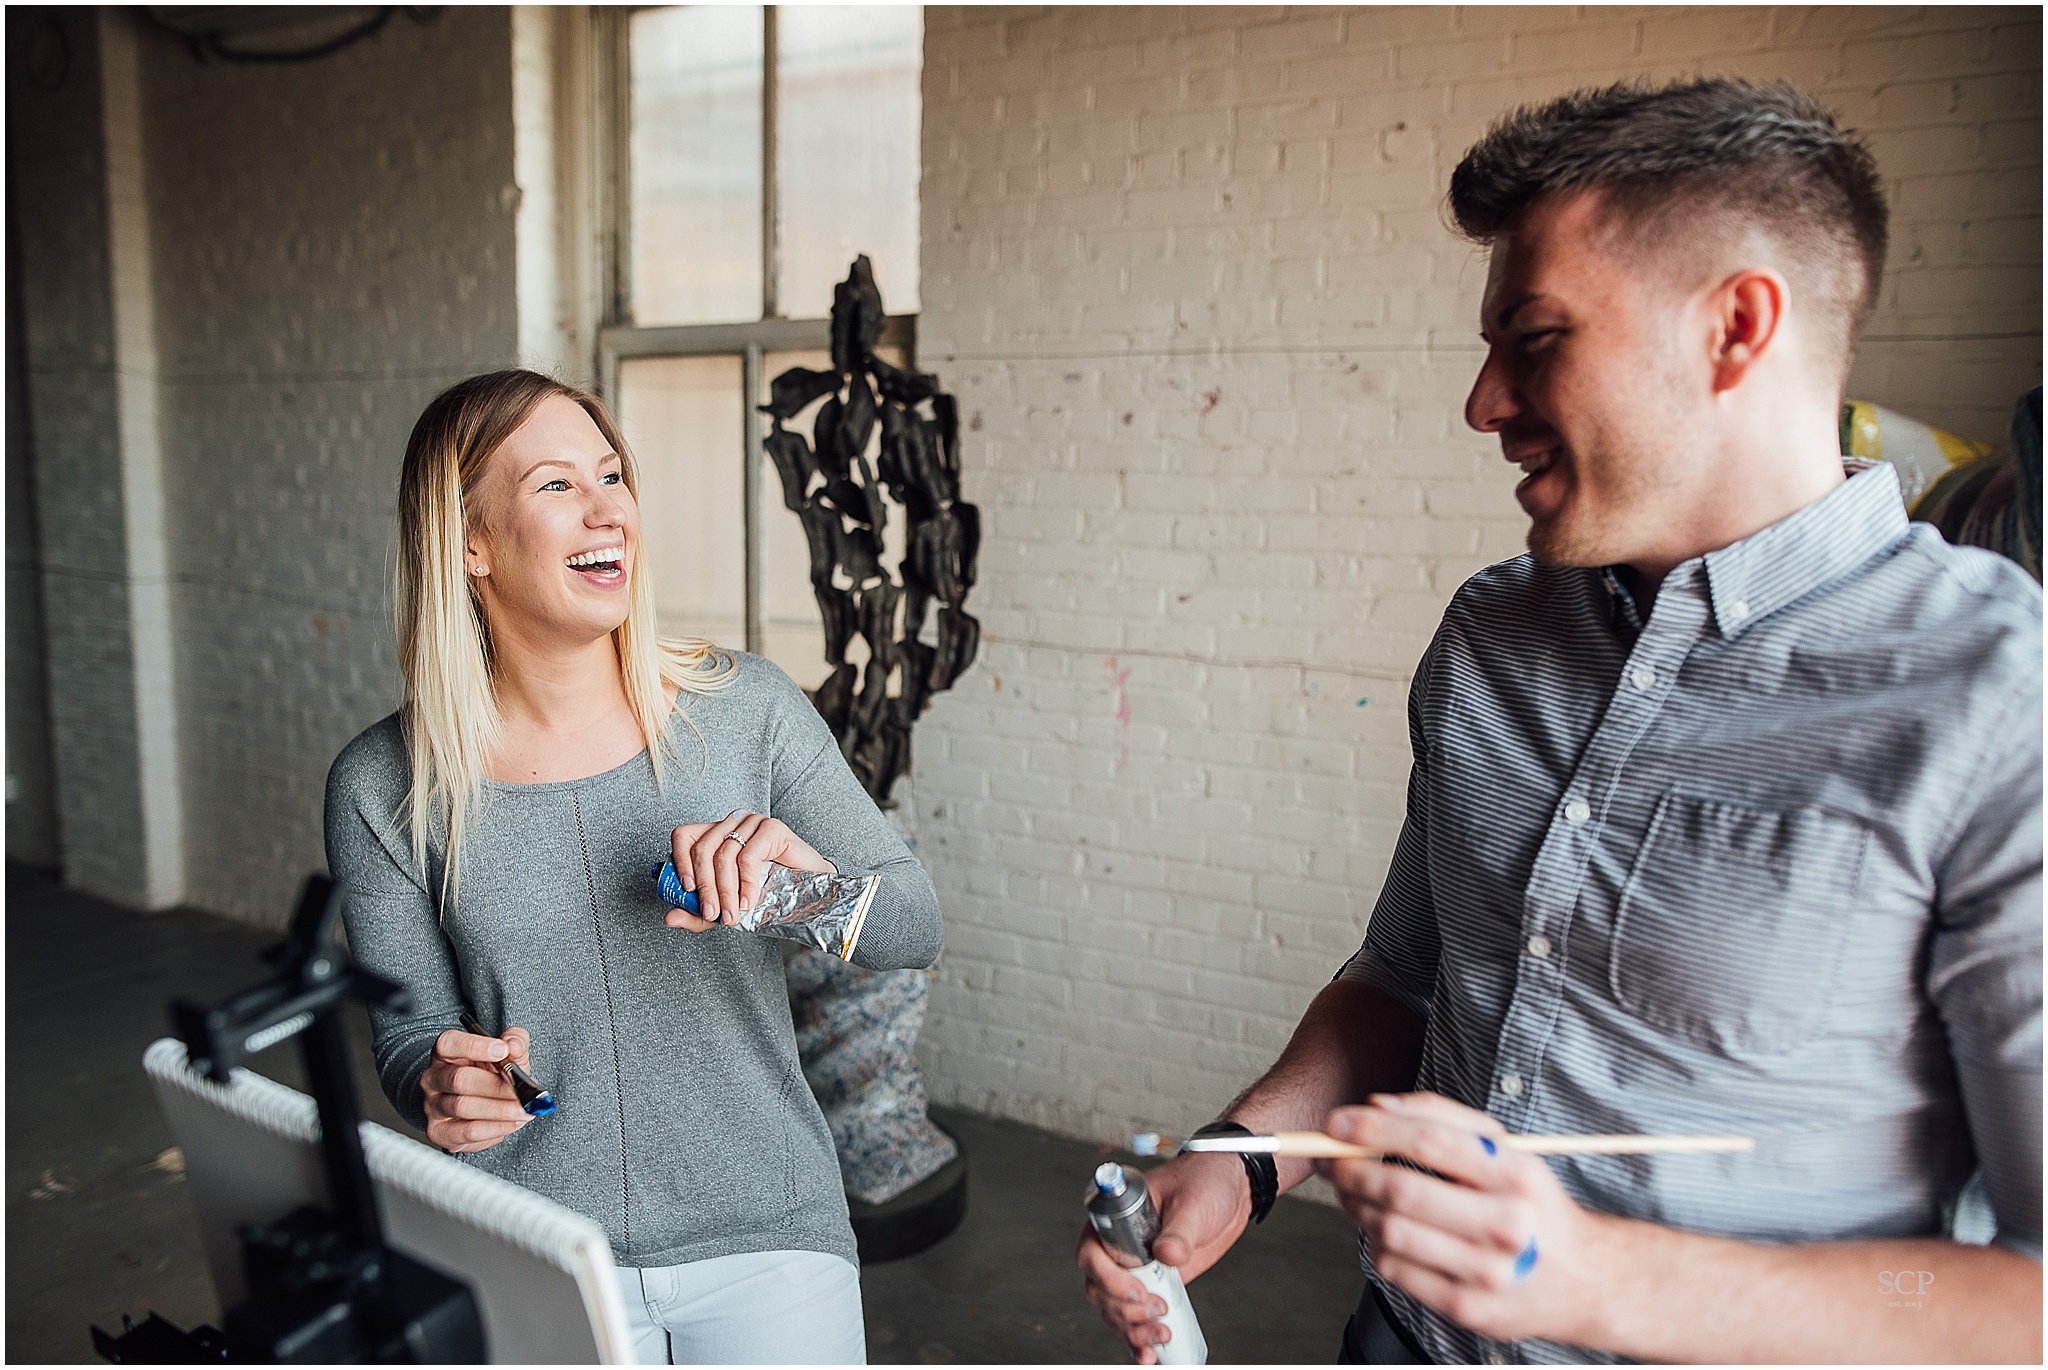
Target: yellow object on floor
column 1921, row 453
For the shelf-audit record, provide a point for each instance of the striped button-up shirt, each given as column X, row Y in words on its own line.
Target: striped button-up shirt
column 1766, row 863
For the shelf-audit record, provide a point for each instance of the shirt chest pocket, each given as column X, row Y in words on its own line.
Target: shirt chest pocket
column 1732, row 923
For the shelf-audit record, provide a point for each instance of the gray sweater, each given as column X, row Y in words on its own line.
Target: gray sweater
column 685, row 1127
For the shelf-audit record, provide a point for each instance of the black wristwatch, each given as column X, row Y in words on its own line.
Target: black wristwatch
column 1259, row 1168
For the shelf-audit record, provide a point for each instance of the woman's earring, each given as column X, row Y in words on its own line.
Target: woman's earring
column 480, row 570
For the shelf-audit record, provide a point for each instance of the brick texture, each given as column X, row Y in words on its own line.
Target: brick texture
column 1185, row 270
column 58, row 165
column 334, row 245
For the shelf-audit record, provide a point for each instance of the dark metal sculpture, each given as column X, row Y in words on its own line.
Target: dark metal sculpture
column 832, row 486
column 905, row 1178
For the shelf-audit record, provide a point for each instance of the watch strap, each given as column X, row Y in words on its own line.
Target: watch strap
column 1260, row 1170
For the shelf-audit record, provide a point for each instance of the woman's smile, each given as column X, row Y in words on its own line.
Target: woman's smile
column 604, row 567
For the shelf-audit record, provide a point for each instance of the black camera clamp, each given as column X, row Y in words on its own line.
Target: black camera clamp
column 323, row 1286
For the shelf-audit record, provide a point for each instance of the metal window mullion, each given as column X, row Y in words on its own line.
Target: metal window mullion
column 751, row 358
column 608, row 359
column 750, row 491
column 615, row 135
column 731, row 339
column 771, row 197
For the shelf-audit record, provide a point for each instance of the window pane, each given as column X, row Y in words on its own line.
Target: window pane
column 793, row 631
column 696, row 157
column 848, row 110
column 682, row 418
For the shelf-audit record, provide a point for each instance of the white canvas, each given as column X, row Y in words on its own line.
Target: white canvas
column 543, row 1275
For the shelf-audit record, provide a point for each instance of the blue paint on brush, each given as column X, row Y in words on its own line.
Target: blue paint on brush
column 672, row 888
column 538, row 1102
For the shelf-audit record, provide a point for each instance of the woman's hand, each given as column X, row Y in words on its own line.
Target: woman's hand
column 725, row 863
column 471, row 1106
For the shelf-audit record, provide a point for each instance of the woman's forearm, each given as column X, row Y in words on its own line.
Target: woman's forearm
column 903, row 929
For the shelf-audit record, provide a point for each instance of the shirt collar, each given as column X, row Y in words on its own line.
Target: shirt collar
column 1627, row 617
column 1752, row 579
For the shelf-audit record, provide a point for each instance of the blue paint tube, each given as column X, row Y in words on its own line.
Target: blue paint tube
column 820, row 909
column 672, row 890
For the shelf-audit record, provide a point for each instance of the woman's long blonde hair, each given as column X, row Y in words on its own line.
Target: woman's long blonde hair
column 451, row 721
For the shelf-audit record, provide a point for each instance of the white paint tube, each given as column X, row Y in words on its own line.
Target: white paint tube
column 1126, row 1220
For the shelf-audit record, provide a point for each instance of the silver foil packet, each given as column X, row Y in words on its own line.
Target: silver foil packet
column 816, row 908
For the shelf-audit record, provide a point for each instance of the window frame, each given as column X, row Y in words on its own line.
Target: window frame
column 621, row 340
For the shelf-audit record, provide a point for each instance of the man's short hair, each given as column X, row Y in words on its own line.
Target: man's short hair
column 1696, row 156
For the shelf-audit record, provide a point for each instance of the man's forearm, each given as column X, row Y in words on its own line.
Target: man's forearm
column 1353, row 1041
column 1677, row 1296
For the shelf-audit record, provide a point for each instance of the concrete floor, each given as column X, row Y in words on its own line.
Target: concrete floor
column 97, row 1227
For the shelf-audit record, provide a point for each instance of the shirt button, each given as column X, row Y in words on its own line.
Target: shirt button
column 1496, row 1358
column 1578, row 811
column 1539, row 946
column 1511, row 1084
column 1739, row 610
column 1642, row 677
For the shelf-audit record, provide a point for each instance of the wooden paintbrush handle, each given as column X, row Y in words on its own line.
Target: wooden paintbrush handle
column 1615, row 1145
column 1312, row 1145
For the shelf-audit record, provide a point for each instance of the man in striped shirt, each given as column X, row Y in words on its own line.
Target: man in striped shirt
column 1725, row 817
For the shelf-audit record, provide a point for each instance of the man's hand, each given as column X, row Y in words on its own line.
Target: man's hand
column 1495, row 1245
column 1204, row 1204
column 470, row 1105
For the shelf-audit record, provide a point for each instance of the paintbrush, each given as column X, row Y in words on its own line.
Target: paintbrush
column 537, row 1102
column 1317, row 1144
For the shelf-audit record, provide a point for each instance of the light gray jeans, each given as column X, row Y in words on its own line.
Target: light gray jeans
column 754, row 1308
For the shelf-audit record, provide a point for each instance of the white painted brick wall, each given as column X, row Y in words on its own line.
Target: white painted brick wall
column 323, row 248
column 334, row 245
column 59, row 178
column 1186, row 271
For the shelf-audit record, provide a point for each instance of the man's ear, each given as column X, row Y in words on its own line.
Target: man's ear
column 1748, row 317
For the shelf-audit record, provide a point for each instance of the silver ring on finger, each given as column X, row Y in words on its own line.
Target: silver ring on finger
column 735, row 837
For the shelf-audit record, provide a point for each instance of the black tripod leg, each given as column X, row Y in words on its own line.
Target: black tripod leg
column 327, row 1070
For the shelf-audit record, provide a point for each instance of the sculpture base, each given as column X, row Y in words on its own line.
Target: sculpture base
column 917, row 1219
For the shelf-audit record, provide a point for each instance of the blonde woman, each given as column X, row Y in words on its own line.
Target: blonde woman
column 494, row 837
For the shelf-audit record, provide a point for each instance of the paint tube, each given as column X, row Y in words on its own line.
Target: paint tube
column 1126, row 1220
column 820, row 909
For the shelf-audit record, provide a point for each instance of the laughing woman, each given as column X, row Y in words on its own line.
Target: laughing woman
column 494, row 838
